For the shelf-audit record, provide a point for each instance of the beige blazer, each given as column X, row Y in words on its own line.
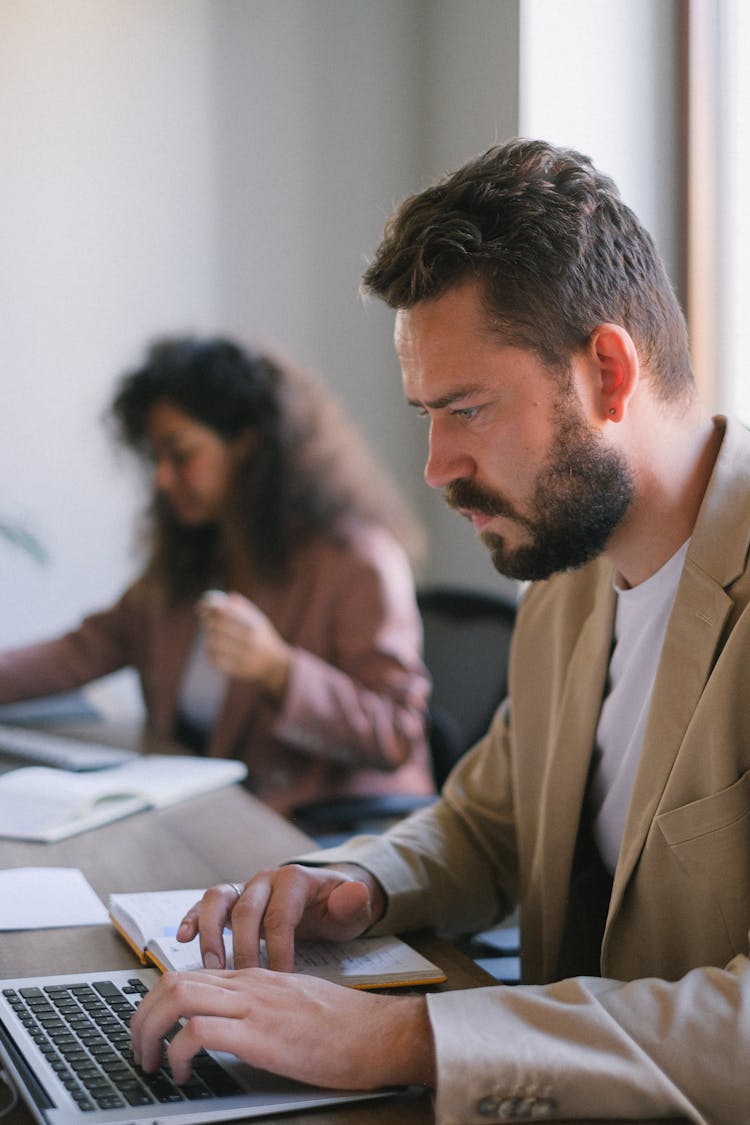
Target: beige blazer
column 666, row 1029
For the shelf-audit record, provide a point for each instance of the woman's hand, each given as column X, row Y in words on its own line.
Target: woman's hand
column 334, row 903
column 298, row 1026
column 242, row 642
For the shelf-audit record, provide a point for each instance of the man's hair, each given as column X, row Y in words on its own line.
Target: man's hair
column 310, row 472
column 554, row 249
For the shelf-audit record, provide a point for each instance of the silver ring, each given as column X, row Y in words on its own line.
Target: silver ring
column 237, row 889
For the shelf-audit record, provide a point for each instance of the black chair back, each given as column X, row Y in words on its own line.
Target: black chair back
column 466, row 642
column 466, row 647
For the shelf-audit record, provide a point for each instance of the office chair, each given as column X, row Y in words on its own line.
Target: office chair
column 466, row 646
column 467, row 638
column 466, row 649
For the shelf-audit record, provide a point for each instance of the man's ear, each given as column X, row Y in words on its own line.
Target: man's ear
column 615, row 357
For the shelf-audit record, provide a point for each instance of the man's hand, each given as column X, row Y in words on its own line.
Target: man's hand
column 298, row 1026
column 294, row 901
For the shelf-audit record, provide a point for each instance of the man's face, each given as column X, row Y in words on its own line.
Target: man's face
column 510, row 443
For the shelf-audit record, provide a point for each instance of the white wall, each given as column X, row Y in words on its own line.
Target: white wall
column 227, row 165
column 369, row 102
column 316, row 107
column 108, row 217
column 221, row 165
column 602, row 76
column 469, row 102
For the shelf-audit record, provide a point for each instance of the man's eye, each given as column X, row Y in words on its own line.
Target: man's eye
column 466, row 412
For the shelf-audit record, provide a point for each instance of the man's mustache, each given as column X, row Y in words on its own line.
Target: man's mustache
column 463, row 494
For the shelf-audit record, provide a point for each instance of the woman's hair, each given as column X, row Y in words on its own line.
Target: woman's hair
column 554, row 248
column 308, row 474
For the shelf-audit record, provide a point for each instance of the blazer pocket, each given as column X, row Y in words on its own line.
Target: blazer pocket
column 710, row 838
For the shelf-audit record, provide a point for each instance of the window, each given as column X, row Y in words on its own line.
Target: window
column 718, row 169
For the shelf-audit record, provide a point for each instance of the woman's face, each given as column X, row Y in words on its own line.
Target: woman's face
column 193, row 466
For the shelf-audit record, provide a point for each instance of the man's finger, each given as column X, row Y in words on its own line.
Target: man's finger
column 213, row 915
column 246, row 921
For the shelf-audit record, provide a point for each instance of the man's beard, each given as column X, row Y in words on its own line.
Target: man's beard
column 579, row 499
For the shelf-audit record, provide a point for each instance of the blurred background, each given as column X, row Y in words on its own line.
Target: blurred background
column 228, row 165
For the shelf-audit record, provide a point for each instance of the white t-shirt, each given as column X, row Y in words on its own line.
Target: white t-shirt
column 640, row 624
column 202, row 688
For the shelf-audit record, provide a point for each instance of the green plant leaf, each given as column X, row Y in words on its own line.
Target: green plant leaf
column 20, row 537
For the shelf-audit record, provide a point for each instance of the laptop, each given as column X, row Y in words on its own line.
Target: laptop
column 65, row 1045
column 27, row 746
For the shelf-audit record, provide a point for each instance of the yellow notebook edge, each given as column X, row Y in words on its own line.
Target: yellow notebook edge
column 141, row 954
column 373, row 986
column 162, row 966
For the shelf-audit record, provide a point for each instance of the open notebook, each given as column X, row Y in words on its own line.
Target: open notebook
column 148, row 922
column 65, row 1044
column 40, row 803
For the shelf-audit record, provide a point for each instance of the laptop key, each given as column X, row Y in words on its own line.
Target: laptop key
column 163, row 1090
column 137, row 1096
column 109, row 1101
column 216, row 1078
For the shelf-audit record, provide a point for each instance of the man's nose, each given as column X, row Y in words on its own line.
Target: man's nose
column 445, row 461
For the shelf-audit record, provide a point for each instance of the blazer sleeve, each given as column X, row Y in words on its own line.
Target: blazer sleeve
column 101, row 644
column 361, row 699
column 590, row 1047
column 451, row 867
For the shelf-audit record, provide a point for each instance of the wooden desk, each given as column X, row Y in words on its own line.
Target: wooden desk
column 224, row 835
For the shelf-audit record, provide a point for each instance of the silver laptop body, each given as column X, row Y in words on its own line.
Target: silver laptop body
column 65, row 1043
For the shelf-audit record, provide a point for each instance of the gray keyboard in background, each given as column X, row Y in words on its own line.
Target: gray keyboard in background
column 27, row 746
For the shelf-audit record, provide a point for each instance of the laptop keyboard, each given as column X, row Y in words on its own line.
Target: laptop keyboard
column 29, row 746
column 83, row 1032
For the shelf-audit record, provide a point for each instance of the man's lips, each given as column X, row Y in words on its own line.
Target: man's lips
column 479, row 520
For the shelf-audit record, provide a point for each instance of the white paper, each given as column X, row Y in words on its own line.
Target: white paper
column 154, row 914
column 40, row 898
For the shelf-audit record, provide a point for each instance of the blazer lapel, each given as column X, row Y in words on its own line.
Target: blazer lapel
column 693, row 634
column 240, row 707
column 716, row 557
column 172, row 642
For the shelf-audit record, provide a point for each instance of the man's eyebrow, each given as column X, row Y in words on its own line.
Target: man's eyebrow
column 449, row 398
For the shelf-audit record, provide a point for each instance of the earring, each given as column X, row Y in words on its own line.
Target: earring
column 612, row 410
